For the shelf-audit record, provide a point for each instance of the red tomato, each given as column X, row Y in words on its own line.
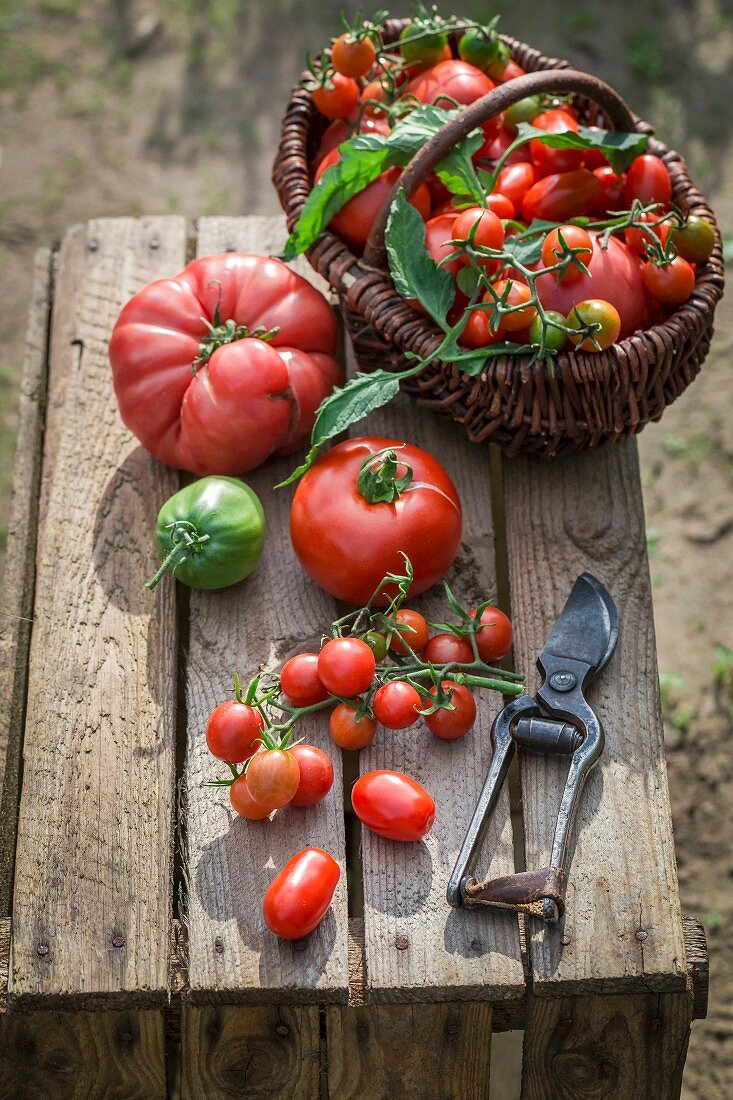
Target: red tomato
column 477, row 333
column 559, row 197
column 495, row 147
column 233, row 732
column 555, row 160
column 297, row 899
column 300, row 682
column 346, row 666
column 511, row 71
column 494, row 639
column 243, row 803
column 316, row 775
column 450, row 80
column 519, row 293
column 413, row 628
column 448, row 649
column 670, row 284
column 638, row 240
column 438, row 232
column 648, row 181
column 338, row 100
column 396, row 704
column 272, row 777
column 240, row 405
column 553, row 251
column 347, row 544
column 594, row 158
column 393, row 805
column 595, row 311
column 615, row 277
column 612, row 191
column 489, row 231
column 348, row 731
column 500, row 204
column 449, row 725
column 515, row 180
column 353, row 56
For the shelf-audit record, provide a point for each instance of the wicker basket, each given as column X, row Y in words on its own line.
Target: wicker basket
column 586, row 399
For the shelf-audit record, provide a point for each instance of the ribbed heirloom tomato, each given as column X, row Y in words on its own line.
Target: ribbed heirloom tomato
column 297, row 899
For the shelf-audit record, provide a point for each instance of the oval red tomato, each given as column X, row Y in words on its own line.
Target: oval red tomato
column 561, row 196
column 648, row 181
column 555, row 160
column 450, row 80
column 298, row 898
column 393, row 805
column 515, row 180
column 438, row 232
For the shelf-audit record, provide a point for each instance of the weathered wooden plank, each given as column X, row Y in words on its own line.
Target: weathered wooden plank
column 251, row 1050
column 19, row 578
column 622, row 931
column 231, row 862
column 93, row 871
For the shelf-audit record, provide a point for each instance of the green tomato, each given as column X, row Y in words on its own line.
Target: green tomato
column 524, row 110
column 555, row 338
column 377, row 643
column 210, row 534
column 481, row 50
column 695, row 240
column 428, row 49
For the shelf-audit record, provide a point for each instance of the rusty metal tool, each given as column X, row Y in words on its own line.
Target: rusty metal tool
column 557, row 720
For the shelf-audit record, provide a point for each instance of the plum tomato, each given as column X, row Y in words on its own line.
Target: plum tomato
column 517, row 295
column 449, row 725
column 561, row 196
column 338, row 97
column 298, row 898
column 353, row 56
column 233, row 731
column 272, row 777
column 612, row 191
column 555, row 336
column 316, row 775
column 393, row 805
column 501, row 205
column 555, row 160
column 516, row 180
column 554, row 249
column 349, row 731
column 346, row 666
column 396, row 705
column 695, row 240
column 494, row 639
column 671, row 283
column 648, row 180
column 450, row 81
column 300, row 682
column 489, row 232
column 243, row 803
column 595, row 158
column 413, row 627
column 438, row 234
column 448, row 649
column 595, row 311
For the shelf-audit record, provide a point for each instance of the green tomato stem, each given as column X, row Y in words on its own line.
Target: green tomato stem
column 187, row 544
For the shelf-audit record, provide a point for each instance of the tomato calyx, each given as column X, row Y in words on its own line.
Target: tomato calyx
column 185, row 540
column 378, row 480
column 226, row 332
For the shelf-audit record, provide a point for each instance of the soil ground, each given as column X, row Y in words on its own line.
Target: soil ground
column 116, row 107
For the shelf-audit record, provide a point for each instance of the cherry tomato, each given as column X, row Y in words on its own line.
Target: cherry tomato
column 348, row 731
column 553, row 251
column 427, row 49
column 510, row 71
column 638, row 240
column 595, row 311
column 494, row 639
column 233, row 732
column 489, row 231
column 449, row 725
column 670, row 284
column 346, row 666
column 377, row 643
column 524, row 110
column 648, row 180
column 353, row 56
column 555, row 160
column 477, row 333
column 393, row 805
column 414, row 629
column 555, row 338
column 316, row 775
column 396, row 704
column 561, row 196
column 448, row 81
column 438, row 232
column 612, row 190
column 300, row 682
column 297, row 899
column 338, row 100
column 243, row 803
column 516, row 180
column 519, row 293
column 448, row 649
column 695, row 240
column 272, row 777
column 480, row 49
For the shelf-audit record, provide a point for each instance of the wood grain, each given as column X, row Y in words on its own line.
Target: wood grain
column 19, row 578
column 230, row 862
column 623, row 930
column 93, row 874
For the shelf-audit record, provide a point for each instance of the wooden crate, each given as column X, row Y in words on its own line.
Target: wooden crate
column 138, row 961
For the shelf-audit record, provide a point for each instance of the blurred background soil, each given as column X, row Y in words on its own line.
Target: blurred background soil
column 117, row 107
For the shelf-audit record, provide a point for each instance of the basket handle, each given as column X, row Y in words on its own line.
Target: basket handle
column 493, row 103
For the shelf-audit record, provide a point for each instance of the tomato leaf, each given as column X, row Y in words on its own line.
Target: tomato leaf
column 456, row 170
column 618, row 148
column 526, row 247
column 414, row 272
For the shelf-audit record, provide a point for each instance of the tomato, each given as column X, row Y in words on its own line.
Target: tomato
column 353, row 56
column 298, row 898
column 519, row 293
column 510, row 71
column 377, row 643
column 240, row 403
column 340, row 130
column 300, row 682
column 347, row 544
column 489, row 231
column 346, row 666
column 524, row 110
column 639, row 241
column 615, row 277
column 243, row 803
column 595, row 311
column 695, row 240
column 553, row 250
column 413, row 627
column 396, row 704
column 670, row 284
column 648, row 180
column 448, row 649
column 393, row 805
column 561, row 196
column 595, row 158
column 210, row 534
column 477, row 333
column 450, row 81
column 316, row 775
column 495, row 146
column 348, row 731
column 515, row 180
column 420, row 47
column 438, row 232
column 233, row 731
column 501, row 205
column 555, row 338
column 555, row 160
column 494, row 639
column 449, row 725
column 612, row 191
column 480, row 49
column 338, row 97
column 272, row 777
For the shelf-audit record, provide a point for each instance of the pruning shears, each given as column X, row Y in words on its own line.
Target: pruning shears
column 557, row 720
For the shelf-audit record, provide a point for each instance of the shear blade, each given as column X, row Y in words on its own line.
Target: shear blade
column 587, row 627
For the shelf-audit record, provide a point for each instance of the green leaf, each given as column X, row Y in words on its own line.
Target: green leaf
column 526, row 247
column 456, row 170
column 619, row 148
column 414, row 272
